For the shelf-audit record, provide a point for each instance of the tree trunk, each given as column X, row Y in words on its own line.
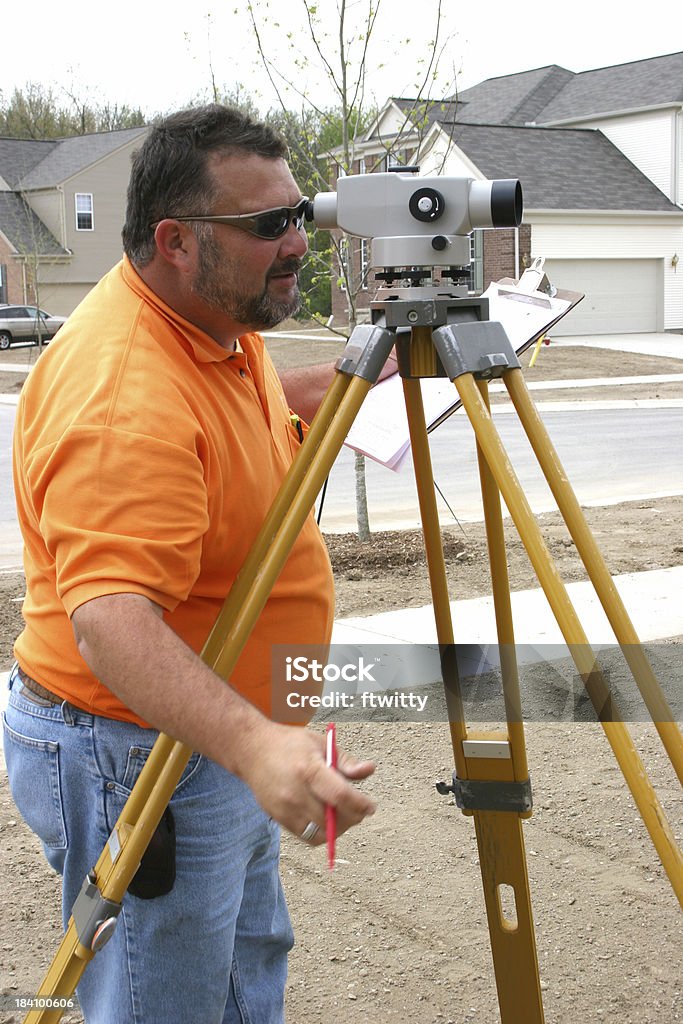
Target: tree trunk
column 362, row 518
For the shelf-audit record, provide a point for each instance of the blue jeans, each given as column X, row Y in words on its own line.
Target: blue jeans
column 211, row 951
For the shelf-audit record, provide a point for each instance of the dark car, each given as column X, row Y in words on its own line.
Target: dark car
column 27, row 324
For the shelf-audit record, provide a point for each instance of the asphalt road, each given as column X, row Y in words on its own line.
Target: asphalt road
column 609, row 454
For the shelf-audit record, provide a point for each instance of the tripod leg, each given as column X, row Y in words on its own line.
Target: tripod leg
column 429, row 517
column 499, row 833
column 495, row 539
column 617, row 734
column 505, row 881
column 111, row 876
column 597, row 570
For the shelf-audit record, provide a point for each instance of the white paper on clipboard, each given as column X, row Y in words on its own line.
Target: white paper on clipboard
column 381, row 430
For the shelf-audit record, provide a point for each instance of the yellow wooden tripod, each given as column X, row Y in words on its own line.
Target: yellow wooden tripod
column 491, row 779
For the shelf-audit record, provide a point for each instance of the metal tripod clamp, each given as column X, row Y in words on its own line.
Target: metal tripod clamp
column 489, row 795
column 94, row 915
column 481, row 348
column 366, row 351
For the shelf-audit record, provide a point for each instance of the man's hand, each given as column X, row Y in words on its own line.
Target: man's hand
column 287, row 773
column 129, row 647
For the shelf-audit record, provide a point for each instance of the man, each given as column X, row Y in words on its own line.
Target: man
column 150, row 440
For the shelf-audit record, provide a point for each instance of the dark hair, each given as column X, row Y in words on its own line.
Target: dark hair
column 169, row 174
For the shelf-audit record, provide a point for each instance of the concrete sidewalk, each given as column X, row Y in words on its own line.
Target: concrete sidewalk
column 652, row 600
column 665, row 344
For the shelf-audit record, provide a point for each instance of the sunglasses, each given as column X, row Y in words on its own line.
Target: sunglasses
column 264, row 224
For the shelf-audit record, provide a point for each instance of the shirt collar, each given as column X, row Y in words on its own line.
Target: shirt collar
column 204, row 348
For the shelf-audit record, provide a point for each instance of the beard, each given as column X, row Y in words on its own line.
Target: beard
column 260, row 311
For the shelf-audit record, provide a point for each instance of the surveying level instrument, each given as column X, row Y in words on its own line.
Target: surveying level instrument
column 418, row 224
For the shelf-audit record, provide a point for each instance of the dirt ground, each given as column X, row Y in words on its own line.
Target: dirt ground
column 398, row 931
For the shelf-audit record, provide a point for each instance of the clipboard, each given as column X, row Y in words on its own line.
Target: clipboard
column 527, row 309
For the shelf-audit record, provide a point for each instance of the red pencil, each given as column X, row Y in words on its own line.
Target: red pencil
column 330, row 811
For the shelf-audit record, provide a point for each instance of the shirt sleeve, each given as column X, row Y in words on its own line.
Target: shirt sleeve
column 120, row 512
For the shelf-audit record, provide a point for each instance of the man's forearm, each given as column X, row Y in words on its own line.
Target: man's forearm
column 151, row 670
column 305, row 386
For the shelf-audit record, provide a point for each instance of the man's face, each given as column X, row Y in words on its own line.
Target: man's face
column 253, row 281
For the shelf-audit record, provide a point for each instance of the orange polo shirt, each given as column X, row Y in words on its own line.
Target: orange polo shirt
column 146, row 458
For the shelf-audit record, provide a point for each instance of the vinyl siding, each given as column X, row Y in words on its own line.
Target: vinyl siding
column 445, row 158
column 647, row 140
column 391, row 122
column 47, row 205
column 65, row 282
column 95, row 252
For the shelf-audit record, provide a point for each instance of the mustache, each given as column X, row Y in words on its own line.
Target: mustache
column 292, row 265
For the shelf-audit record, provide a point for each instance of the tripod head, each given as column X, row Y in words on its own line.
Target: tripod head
column 417, row 222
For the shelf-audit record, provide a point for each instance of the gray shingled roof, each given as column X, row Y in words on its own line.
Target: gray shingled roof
column 19, row 156
column 643, row 83
column 71, row 155
column 560, row 168
column 552, row 93
column 505, row 100
column 24, row 230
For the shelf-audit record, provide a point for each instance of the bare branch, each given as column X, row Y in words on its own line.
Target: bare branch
column 363, row 62
column 262, row 53
column 323, row 58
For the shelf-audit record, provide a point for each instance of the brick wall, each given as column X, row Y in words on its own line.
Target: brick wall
column 339, row 303
column 499, row 252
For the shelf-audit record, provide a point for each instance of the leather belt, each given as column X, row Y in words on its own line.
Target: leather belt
column 36, row 689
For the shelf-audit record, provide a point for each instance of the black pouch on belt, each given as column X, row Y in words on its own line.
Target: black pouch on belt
column 156, row 874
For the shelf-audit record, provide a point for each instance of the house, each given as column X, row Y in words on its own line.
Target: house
column 62, row 204
column 600, row 158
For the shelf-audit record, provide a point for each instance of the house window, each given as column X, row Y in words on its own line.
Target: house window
column 476, row 261
column 84, row 212
column 364, row 261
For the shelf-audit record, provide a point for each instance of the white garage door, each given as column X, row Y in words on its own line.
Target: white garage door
column 621, row 296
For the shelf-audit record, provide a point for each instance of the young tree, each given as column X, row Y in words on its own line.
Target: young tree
column 342, row 42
